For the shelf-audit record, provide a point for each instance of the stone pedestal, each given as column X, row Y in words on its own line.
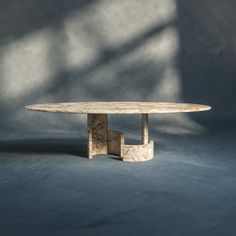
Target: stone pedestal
column 104, row 141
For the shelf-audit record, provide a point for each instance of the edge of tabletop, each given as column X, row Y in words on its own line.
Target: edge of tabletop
column 32, row 108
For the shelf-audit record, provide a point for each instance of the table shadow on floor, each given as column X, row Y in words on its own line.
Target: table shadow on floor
column 76, row 147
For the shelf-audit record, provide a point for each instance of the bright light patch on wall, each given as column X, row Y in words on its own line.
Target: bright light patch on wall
column 81, row 46
column 25, row 65
column 132, row 18
column 164, row 46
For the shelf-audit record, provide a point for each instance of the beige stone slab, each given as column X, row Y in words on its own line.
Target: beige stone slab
column 118, row 107
column 138, row 153
column 116, row 142
column 97, row 134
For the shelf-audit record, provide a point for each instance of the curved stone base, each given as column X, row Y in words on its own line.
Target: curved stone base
column 129, row 153
column 136, row 153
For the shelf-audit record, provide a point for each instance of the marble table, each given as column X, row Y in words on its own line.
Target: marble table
column 104, row 141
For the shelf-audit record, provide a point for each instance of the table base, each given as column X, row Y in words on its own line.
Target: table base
column 104, row 141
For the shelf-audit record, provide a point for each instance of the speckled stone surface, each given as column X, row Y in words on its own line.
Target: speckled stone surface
column 97, row 135
column 118, row 107
column 116, row 142
column 136, row 153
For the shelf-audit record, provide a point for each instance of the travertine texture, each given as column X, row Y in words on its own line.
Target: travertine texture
column 118, row 107
column 97, row 135
column 136, row 153
column 102, row 141
column 145, row 128
column 116, row 142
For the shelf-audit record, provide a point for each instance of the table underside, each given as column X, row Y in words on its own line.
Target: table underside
column 104, row 141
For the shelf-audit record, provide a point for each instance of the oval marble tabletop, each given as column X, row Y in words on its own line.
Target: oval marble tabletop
column 118, row 107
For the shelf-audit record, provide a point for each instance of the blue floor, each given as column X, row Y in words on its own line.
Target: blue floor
column 48, row 188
